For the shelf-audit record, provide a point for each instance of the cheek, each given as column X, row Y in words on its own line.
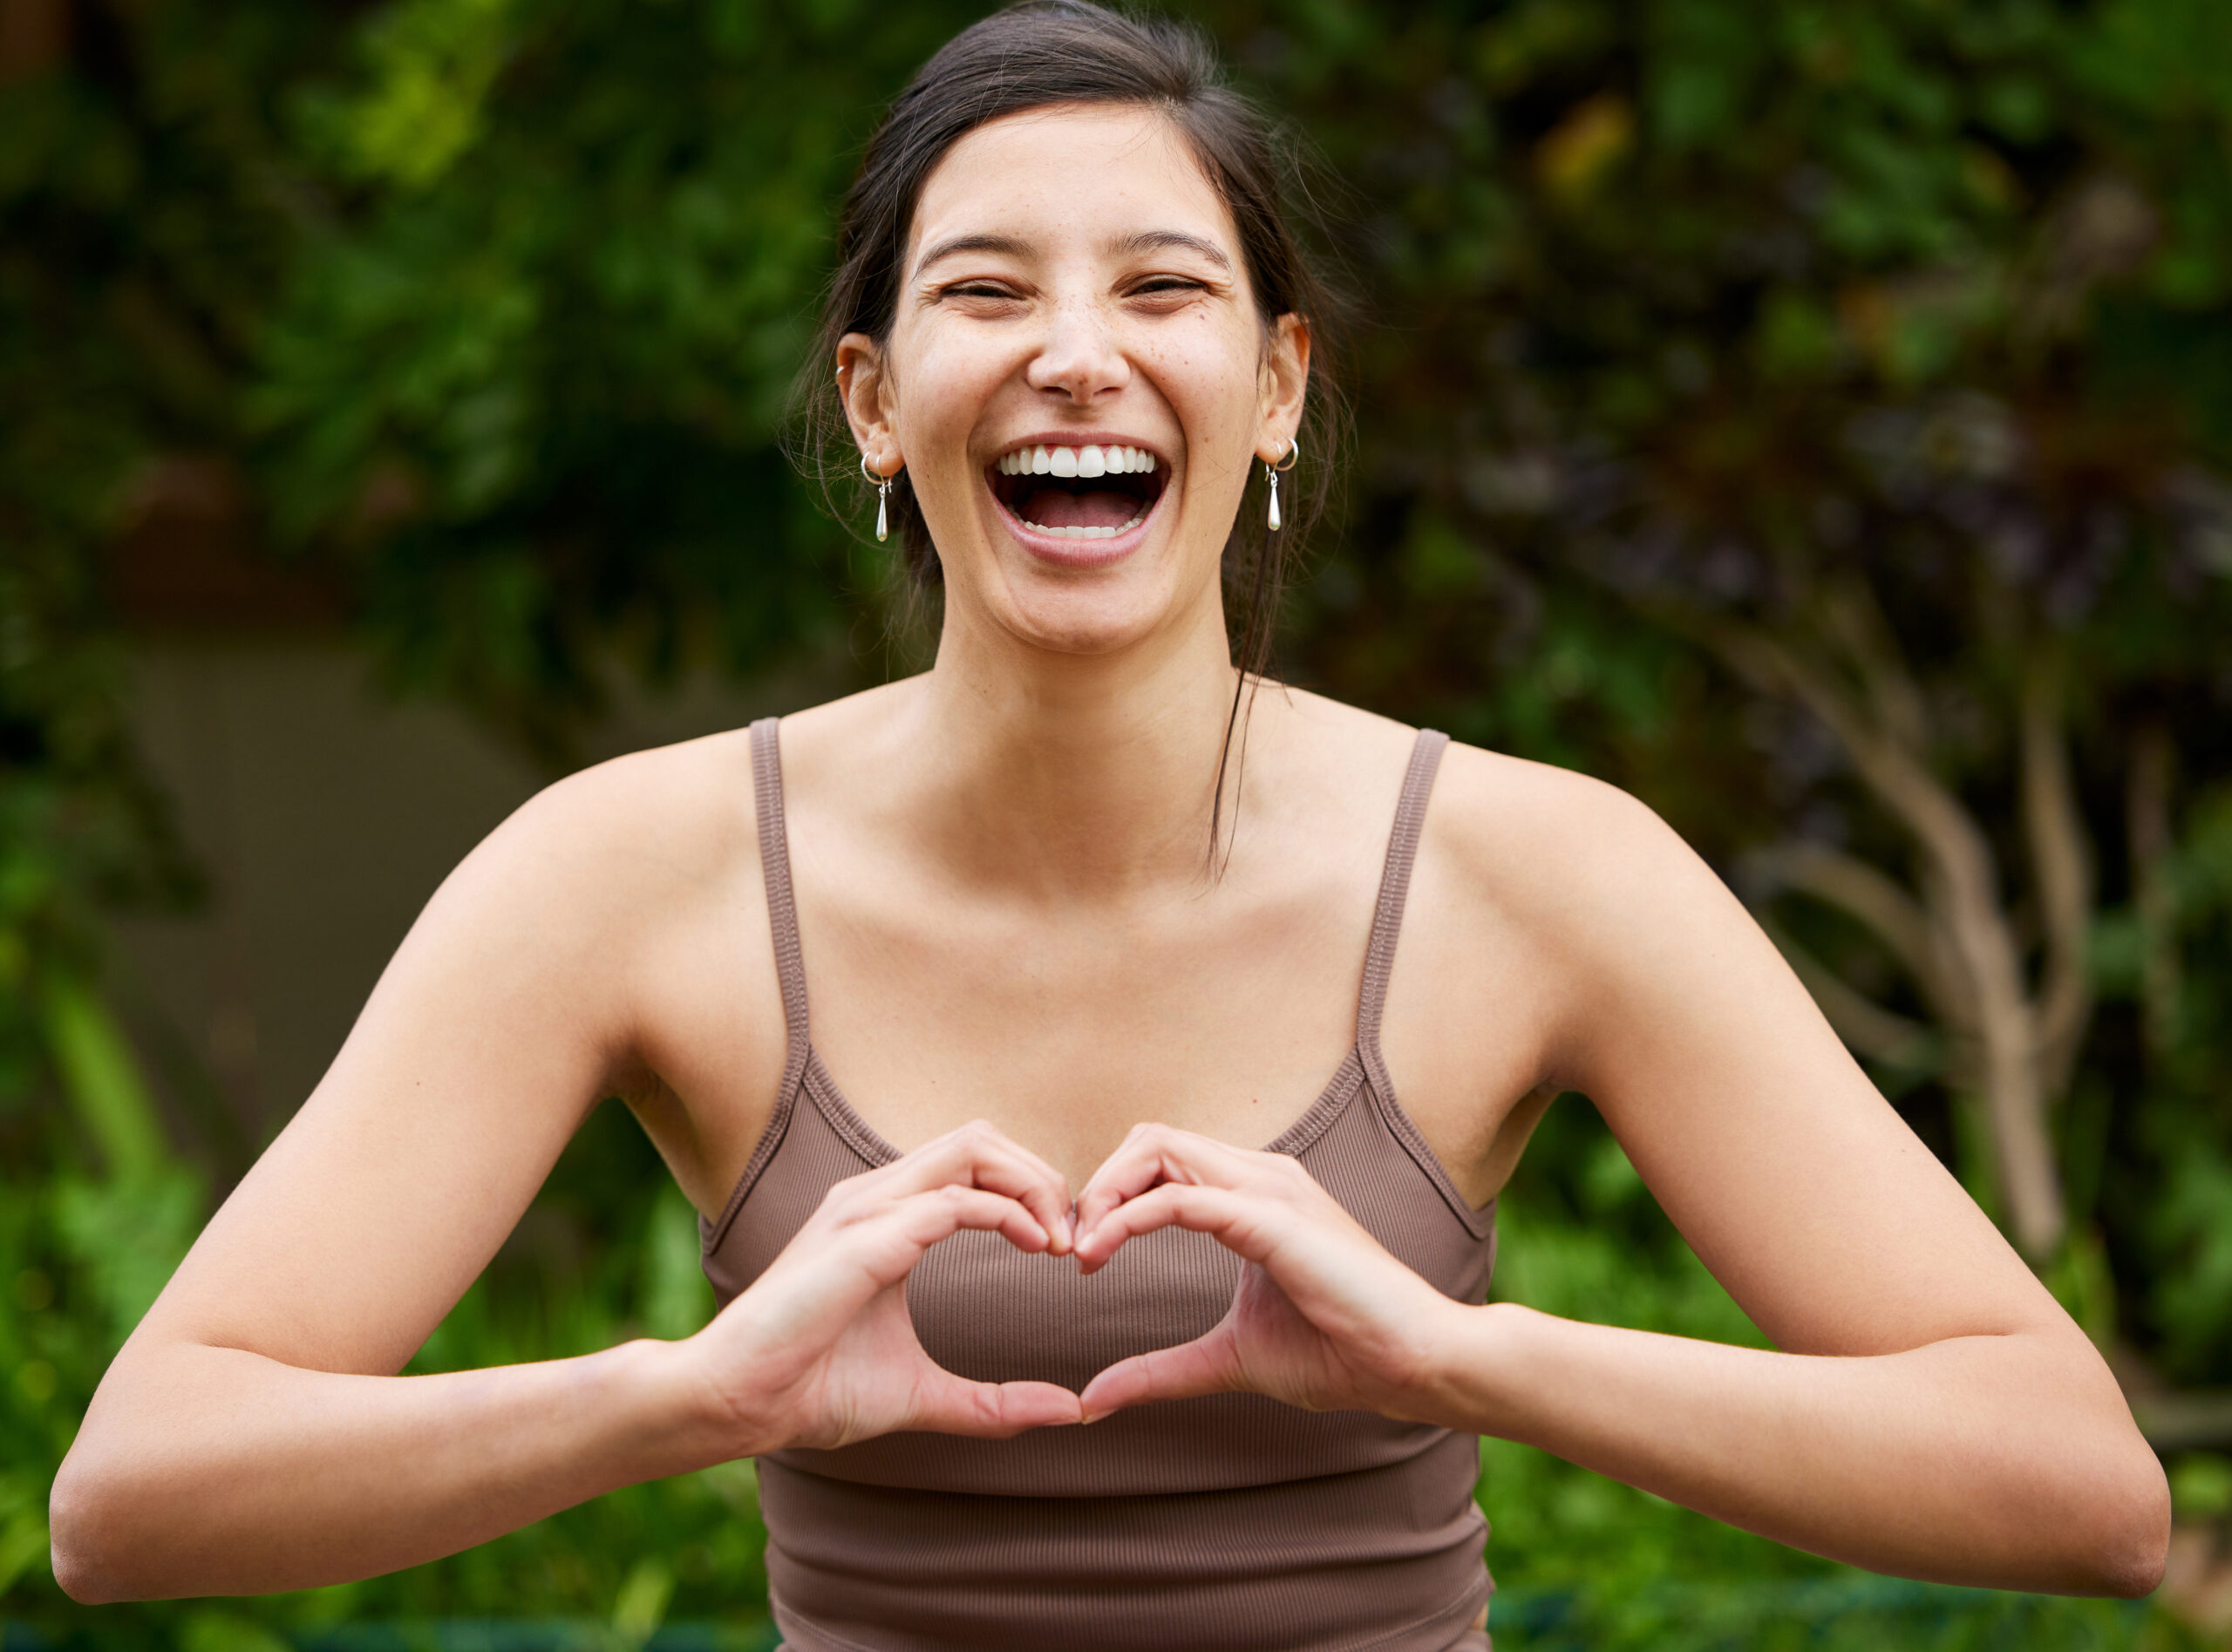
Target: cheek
column 943, row 381
column 1210, row 380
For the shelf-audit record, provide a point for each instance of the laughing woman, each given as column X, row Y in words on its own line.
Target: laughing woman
column 1035, row 1060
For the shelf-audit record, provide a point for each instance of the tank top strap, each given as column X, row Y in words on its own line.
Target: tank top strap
column 775, row 873
column 1394, row 887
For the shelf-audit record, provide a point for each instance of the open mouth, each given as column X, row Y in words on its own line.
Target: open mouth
column 1083, row 493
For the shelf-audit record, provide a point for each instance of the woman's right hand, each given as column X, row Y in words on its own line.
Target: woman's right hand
column 820, row 1352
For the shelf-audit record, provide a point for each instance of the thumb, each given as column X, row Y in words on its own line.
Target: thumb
column 945, row 1404
column 1205, row 1365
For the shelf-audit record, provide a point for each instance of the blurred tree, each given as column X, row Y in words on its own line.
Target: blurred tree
column 529, row 382
column 1873, row 354
column 132, row 245
column 1813, row 415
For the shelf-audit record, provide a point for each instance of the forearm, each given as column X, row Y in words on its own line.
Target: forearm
column 1980, row 1460
column 217, row 1471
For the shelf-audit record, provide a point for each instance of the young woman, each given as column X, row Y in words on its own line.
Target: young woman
column 1168, row 1041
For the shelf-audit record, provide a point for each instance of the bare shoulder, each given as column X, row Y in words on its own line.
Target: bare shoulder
column 646, row 823
column 1557, row 845
column 1656, row 994
column 1485, row 805
column 1557, row 852
column 1594, row 903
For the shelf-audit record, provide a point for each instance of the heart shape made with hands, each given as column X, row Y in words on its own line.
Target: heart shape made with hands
column 1317, row 1312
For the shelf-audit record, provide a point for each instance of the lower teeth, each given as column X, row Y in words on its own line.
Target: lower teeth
column 1087, row 532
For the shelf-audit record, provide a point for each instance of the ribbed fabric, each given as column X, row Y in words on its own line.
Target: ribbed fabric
column 1231, row 1521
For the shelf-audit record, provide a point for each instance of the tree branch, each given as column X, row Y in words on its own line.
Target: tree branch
column 1872, row 898
column 2147, row 819
column 1867, row 1029
column 2061, row 865
column 1961, row 894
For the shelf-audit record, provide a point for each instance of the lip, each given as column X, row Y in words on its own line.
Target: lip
column 1063, row 552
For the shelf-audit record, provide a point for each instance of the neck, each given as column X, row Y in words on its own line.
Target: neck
column 1081, row 776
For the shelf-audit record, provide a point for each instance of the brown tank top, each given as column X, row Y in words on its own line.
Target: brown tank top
column 1232, row 1521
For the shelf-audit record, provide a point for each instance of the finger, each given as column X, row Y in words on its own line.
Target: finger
column 1240, row 1221
column 1155, row 1153
column 895, row 1238
column 980, row 1155
column 1205, row 1365
column 950, row 1404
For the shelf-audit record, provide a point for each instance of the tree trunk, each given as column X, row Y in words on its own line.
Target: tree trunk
column 2009, row 1048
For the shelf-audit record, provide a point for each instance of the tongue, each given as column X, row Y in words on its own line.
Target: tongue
column 1058, row 508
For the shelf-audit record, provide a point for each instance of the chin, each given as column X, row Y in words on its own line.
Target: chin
column 1097, row 617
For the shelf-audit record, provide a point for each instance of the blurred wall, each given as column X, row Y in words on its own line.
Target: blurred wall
column 324, row 813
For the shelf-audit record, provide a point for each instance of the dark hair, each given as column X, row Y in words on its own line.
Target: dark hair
column 1046, row 52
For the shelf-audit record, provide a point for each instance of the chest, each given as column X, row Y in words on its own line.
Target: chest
column 1225, row 1010
column 1224, row 1014
column 1066, row 1031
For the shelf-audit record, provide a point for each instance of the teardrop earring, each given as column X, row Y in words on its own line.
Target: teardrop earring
column 1271, row 473
column 882, row 498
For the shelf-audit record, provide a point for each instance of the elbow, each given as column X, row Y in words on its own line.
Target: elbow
column 2134, row 1568
column 89, row 1549
column 2141, row 1560
column 77, row 1578
column 2130, row 1546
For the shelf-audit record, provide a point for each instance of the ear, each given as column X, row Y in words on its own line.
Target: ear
column 1285, row 380
column 864, row 386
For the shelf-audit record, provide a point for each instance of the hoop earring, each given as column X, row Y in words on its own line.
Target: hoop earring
column 882, row 498
column 1271, row 473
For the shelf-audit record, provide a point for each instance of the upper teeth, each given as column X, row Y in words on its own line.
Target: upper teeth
column 1075, row 461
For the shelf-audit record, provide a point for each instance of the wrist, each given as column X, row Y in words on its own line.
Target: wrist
column 688, row 1421
column 1477, row 1377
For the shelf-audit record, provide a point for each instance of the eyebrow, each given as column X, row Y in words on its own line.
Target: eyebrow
column 1007, row 246
column 1147, row 240
column 1155, row 240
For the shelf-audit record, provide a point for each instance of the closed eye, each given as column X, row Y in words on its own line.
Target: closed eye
column 1167, row 295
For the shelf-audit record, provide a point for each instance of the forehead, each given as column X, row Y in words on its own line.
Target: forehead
column 1071, row 177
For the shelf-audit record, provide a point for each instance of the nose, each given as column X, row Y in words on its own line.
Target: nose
column 1078, row 358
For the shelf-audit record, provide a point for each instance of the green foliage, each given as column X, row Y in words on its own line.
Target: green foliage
column 1895, row 335
column 1849, row 1614
column 534, row 388
column 1686, row 315
column 1589, row 1564
column 607, row 1252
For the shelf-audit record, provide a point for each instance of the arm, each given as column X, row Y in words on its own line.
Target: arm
column 1991, row 1459
column 1933, row 1412
column 252, row 1435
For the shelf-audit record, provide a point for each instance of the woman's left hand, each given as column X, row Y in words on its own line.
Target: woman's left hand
column 1324, row 1317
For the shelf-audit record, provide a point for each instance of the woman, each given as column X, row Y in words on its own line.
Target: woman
column 1083, row 916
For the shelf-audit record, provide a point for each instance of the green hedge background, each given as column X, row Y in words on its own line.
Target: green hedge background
column 1813, row 415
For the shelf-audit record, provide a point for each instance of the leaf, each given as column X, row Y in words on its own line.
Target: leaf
column 676, row 1299
column 432, row 63
column 1583, row 146
column 103, row 1079
column 128, row 1238
column 22, row 1546
column 210, row 1630
column 641, row 1604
